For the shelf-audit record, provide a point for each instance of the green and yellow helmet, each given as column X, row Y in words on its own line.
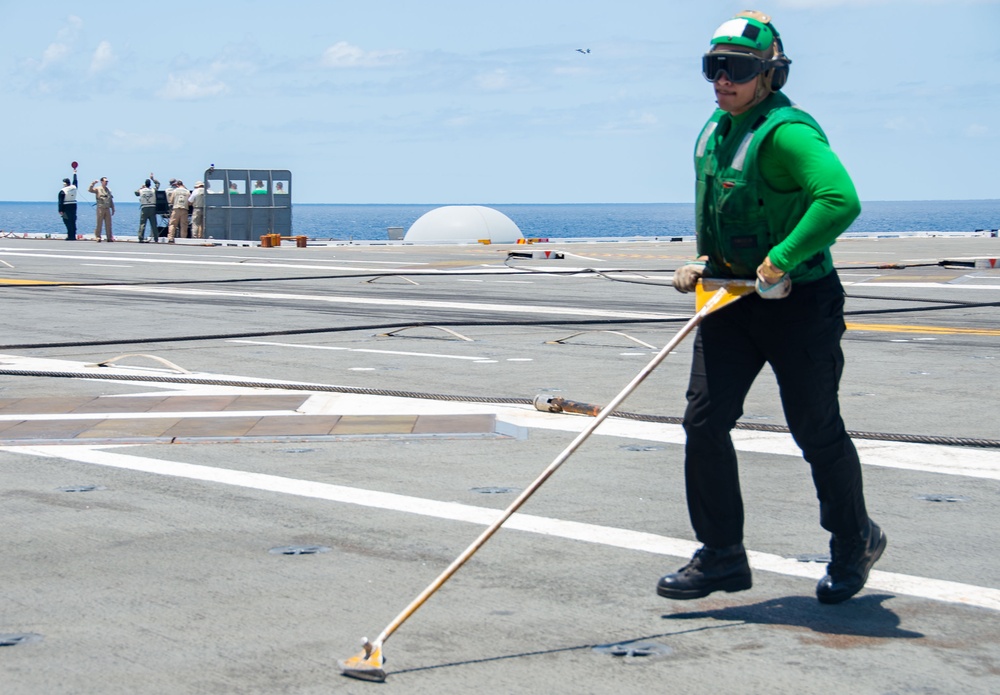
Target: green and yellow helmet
column 748, row 29
column 752, row 31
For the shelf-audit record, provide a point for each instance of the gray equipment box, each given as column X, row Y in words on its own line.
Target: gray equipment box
column 247, row 203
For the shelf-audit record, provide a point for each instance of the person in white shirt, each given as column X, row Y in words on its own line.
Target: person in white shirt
column 147, row 208
column 67, row 206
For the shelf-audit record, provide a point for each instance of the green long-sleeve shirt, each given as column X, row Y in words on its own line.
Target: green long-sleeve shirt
column 797, row 157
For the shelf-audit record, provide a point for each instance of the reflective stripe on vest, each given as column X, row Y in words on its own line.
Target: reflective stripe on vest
column 740, row 158
column 705, row 135
column 735, row 227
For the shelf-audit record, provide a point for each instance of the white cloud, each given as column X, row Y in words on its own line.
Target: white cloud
column 191, row 87
column 60, row 49
column 346, row 55
column 103, row 58
column 459, row 122
column 75, row 24
column 53, row 54
column 977, row 130
column 903, row 124
column 231, row 66
column 572, row 71
column 121, row 140
column 494, row 81
column 635, row 122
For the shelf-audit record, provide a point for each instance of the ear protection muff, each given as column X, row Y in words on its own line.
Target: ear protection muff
column 780, row 63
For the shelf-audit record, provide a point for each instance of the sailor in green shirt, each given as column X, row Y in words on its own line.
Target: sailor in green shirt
column 771, row 198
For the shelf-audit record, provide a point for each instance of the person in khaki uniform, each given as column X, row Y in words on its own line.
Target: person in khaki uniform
column 105, row 207
column 178, row 199
column 197, row 201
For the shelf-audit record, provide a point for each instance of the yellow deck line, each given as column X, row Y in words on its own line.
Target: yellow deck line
column 13, row 281
column 878, row 327
column 939, row 330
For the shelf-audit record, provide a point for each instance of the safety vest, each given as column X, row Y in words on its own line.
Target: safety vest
column 739, row 217
column 179, row 200
column 69, row 195
column 147, row 197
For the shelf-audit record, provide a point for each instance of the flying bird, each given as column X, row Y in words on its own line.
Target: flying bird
column 583, row 50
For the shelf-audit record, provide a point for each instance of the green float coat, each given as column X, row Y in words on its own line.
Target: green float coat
column 769, row 184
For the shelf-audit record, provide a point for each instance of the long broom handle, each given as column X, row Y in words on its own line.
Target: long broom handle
column 709, row 306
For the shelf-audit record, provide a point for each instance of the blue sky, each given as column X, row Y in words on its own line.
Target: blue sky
column 442, row 101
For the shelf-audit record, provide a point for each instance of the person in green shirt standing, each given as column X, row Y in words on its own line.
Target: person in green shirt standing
column 771, row 198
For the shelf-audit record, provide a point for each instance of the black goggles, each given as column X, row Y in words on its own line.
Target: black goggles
column 738, row 67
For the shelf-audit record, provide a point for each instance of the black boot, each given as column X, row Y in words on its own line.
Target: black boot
column 851, row 559
column 711, row 569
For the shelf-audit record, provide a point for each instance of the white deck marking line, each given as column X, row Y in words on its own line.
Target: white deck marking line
column 393, row 269
column 395, row 302
column 928, row 458
column 173, row 260
column 328, row 347
column 920, row 587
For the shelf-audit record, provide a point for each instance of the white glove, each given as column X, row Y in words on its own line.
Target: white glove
column 779, row 290
column 772, row 282
column 687, row 276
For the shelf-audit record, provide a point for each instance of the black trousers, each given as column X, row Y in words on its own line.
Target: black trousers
column 799, row 336
column 69, row 219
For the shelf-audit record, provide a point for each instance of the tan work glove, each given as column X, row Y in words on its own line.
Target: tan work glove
column 686, row 277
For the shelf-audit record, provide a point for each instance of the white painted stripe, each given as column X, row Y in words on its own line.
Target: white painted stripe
column 930, row 458
column 380, row 352
column 940, row 459
column 920, row 587
column 165, row 258
column 395, row 302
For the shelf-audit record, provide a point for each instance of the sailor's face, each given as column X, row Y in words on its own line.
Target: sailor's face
column 734, row 98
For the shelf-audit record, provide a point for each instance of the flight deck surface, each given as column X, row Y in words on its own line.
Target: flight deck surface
column 222, row 466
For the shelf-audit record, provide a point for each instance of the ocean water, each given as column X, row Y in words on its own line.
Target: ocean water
column 555, row 221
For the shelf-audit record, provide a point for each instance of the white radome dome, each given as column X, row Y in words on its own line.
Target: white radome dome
column 464, row 224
